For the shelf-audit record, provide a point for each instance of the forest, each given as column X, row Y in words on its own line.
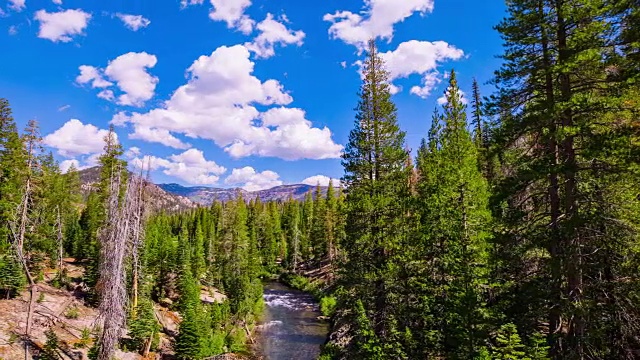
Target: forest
column 513, row 232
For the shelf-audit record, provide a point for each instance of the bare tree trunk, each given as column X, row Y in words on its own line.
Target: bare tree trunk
column 122, row 232
column 112, row 277
column 60, row 243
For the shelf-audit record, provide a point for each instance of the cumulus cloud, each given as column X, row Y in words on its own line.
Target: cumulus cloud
column 321, row 180
column 375, row 21
column 189, row 166
column 132, row 152
column 129, row 73
column 185, row 3
column 232, row 12
column 422, row 58
column 443, row 99
column 17, row 5
column 57, row 2
column 75, row 138
column 62, row 26
column 162, row 136
column 250, row 180
column 134, row 22
column 219, row 102
column 65, row 165
column 273, row 32
column 90, row 74
column 229, row 11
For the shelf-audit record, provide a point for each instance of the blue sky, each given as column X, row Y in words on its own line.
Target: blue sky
column 251, row 93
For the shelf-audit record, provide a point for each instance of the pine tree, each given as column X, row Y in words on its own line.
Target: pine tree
column 565, row 143
column 377, row 204
column 318, row 228
column 50, row 350
column 453, row 201
column 508, row 344
column 12, row 169
column 331, row 223
column 189, row 341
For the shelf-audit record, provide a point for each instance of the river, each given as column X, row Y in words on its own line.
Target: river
column 290, row 328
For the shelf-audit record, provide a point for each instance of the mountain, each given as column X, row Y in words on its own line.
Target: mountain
column 160, row 199
column 175, row 197
column 207, row 195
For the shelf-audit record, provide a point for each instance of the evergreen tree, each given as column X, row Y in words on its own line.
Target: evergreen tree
column 377, row 205
column 565, row 143
column 453, row 200
column 318, row 228
column 508, row 344
column 12, row 169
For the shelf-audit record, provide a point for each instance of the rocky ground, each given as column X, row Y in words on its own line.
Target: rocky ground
column 65, row 313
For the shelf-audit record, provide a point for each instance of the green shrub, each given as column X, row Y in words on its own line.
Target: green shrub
column 85, row 339
column 237, row 341
column 72, row 313
column 327, row 305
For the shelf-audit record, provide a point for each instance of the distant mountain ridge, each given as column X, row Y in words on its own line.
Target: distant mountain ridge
column 159, row 198
column 207, row 195
column 175, row 197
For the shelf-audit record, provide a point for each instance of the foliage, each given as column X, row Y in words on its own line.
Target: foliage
column 72, row 313
column 50, row 349
column 328, row 305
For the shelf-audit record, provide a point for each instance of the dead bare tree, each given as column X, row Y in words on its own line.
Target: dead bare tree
column 112, row 281
column 137, row 204
column 120, row 238
column 60, row 242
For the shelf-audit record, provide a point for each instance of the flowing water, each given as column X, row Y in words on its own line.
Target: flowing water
column 290, row 329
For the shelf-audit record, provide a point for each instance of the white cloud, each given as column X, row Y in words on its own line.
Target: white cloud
column 17, row 5
column 375, row 21
column 64, row 107
column 185, row 3
column 218, row 103
column 229, row 11
column 322, row 180
column 162, row 136
column 443, row 99
column 61, row 26
column 75, row 138
column 343, row 64
column 429, row 82
column 129, row 72
column 418, row 57
column 13, row 30
column 132, row 152
column 106, row 95
column 92, row 74
column 189, row 166
column 273, row 32
column 232, row 12
column 65, row 165
column 250, row 180
column 422, row 58
column 134, row 22
column 293, row 138
column 57, row 2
